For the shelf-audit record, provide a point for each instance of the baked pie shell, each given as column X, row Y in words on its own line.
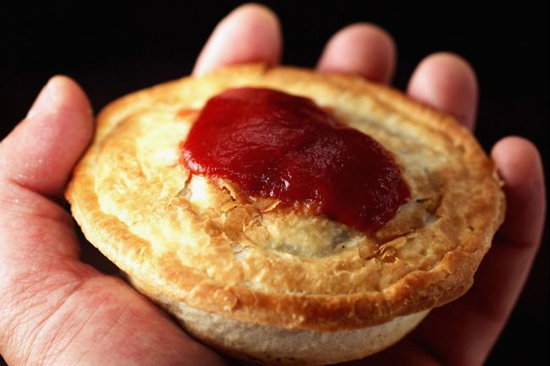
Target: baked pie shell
column 334, row 297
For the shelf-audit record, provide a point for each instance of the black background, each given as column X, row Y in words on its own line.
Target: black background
column 118, row 47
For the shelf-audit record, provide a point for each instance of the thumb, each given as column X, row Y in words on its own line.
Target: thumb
column 41, row 151
column 55, row 309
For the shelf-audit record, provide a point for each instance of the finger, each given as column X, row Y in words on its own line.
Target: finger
column 362, row 49
column 463, row 332
column 404, row 353
column 251, row 33
column 42, row 150
column 447, row 82
column 519, row 164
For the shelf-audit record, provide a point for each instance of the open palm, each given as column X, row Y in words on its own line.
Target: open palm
column 54, row 309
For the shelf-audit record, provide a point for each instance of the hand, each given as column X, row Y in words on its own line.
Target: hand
column 56, row 310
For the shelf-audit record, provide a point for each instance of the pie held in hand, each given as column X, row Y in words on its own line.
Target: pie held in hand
column 286, row 216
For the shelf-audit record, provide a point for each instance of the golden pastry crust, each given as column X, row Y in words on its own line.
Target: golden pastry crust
column 195, row 241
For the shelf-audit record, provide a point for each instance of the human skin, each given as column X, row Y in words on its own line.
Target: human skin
column 56, row 310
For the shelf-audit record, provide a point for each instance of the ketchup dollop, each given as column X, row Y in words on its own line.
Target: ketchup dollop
column 281, row 146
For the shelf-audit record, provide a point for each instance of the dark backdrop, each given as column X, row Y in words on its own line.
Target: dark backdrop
column 116, row 48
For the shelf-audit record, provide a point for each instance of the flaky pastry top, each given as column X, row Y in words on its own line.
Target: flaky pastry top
column 198, row 240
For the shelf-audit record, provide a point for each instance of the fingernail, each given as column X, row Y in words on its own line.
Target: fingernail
column 45, row 100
